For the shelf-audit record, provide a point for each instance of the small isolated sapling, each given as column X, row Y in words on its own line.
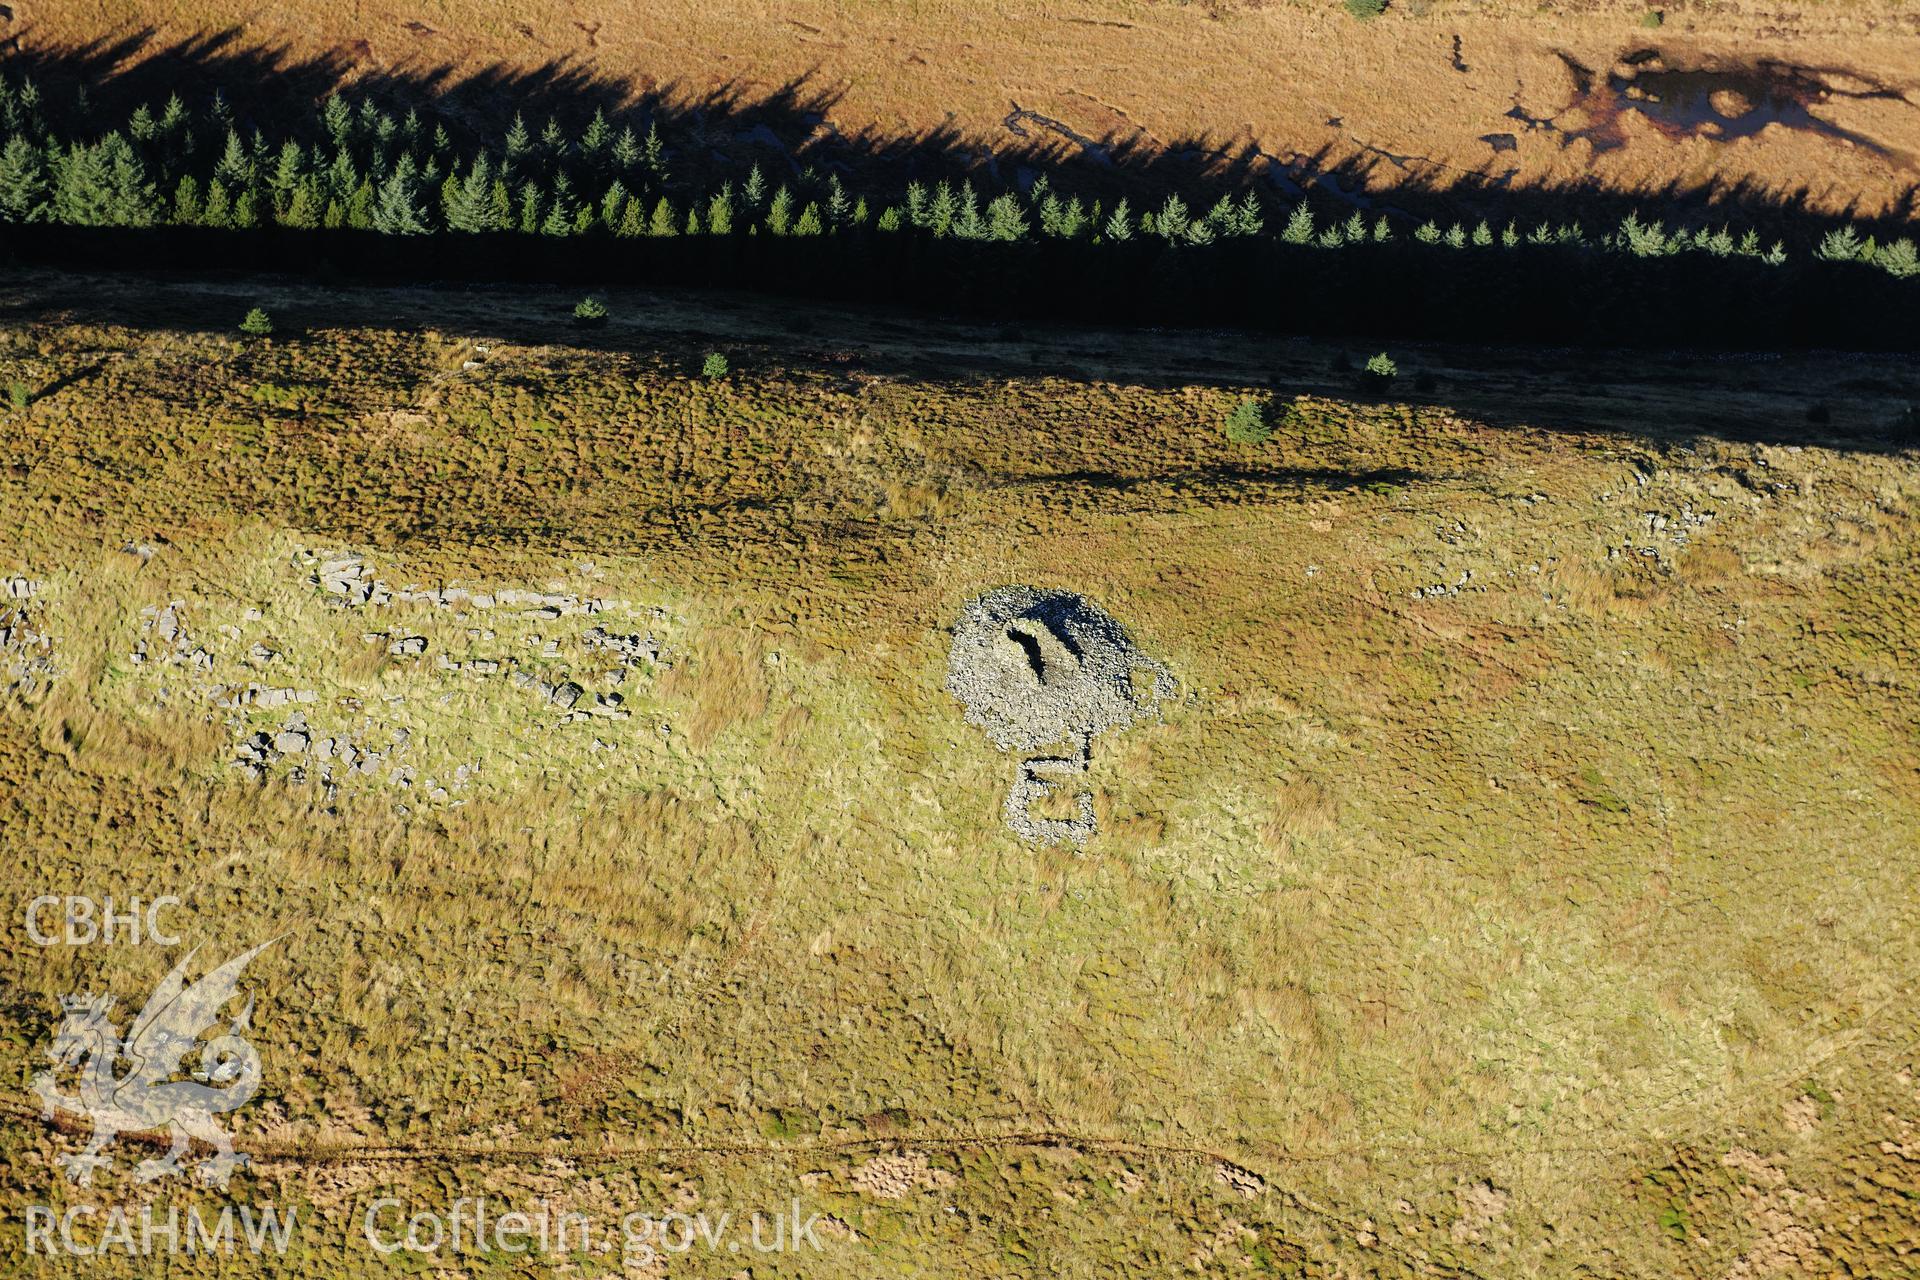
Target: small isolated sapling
column 589, row 312
column 257, row 323
column 1381, row 369
column 1247, row 423
column 714, row 366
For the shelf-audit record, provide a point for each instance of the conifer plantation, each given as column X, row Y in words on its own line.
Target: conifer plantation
column 1046, row 242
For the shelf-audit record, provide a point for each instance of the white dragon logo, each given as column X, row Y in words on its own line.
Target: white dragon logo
column 145, row 1098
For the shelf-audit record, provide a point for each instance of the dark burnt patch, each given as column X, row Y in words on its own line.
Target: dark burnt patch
column 1720, row 100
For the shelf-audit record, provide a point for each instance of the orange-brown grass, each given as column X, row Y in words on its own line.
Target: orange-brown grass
column 1411, row 96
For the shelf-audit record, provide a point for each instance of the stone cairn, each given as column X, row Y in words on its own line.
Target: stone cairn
column 1049, row 669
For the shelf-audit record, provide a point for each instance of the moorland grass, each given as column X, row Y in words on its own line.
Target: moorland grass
column 1533, row 829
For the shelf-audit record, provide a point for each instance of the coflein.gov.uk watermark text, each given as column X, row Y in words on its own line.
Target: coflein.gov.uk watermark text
column 473, row 1225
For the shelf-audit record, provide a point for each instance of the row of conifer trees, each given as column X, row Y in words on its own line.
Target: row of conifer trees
column 359, row 166
column 351, row 186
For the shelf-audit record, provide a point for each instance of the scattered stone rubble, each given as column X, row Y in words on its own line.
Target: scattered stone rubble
column 605, row 706
column 258, row 696
column 329, row 758
column 632, row 650
column 1042, row 668
column 1444, row 589
column 573, row 699
column 1675, row 530
column 166, row 639
column 347, row 576
column 26, row 652
column 300, row 751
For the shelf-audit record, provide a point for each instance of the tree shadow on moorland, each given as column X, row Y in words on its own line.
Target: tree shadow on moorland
column 716, row 134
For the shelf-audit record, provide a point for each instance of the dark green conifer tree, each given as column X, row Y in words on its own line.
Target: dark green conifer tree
column 336, row 115
column 720, row 211
column 530, row 208
column 662, row 222
column 132, row 200
column 81, row 194
column 1005, row 219
column 562, row 210
column 942, row 208
column 626, row 150
column 596, row 140
column 631, row 223
column 396, row 210
column 518, row 145
column 186, row 202
column 342, row 178
column 780, row 212
column 967, row 223
column 654, row 151
column 217, row 211
column 288, row 169
column 470, row 202
column 360, row 206
column 613, row 204
column 235, row 166
column 23, row 181
column 305, row 206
